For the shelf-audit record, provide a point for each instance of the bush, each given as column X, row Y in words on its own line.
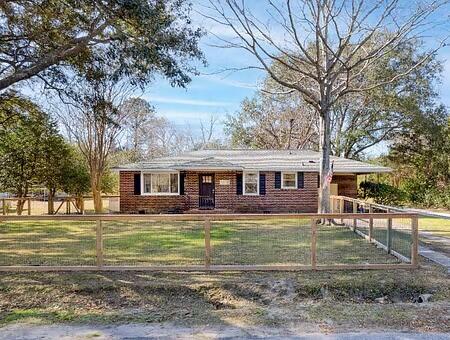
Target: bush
column 382, row 193
column 436, row 198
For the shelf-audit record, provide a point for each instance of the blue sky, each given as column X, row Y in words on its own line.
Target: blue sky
column 218, row 94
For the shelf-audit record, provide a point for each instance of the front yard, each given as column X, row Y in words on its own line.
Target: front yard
column 330, row 300
column 269, row 242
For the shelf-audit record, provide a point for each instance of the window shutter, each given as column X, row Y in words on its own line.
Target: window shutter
column 238, row 184
column 300, row 180
column 318, row 180
column 137, row 184
column 277, row 180
column 182, row 176
column 262, row 184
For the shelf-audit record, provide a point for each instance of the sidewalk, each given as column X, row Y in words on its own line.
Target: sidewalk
column 168, row 331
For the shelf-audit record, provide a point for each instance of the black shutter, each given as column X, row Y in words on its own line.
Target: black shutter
column 277, row 180
column 300, row 180
column 262, row 184
column 238, row 184
column 182, row 176
column 318, row 180
column 137, row 184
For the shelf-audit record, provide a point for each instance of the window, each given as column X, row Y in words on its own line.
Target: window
column 289, row 180
column 160, row 184
column 206, row 179
column 251, row 183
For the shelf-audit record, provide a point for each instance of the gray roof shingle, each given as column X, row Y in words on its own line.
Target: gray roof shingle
column 262, row 160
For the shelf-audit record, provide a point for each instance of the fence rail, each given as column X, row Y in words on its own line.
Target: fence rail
column 211, row 242
column 61, row 205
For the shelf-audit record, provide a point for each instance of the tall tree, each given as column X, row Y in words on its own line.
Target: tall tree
column 277, row 118
column 420, row 154
column 140, row 118
column 29, row 148
column 42, row 38
column 325, row 45
column 94, row 120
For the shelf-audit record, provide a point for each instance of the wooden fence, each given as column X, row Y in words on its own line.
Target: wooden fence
column 62, row 205
column 6, row 205
column 310, row 224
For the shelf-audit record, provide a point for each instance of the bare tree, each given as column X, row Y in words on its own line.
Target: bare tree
column 206, row 138
column 326, row 46
column 94, row 120
column 140, row 118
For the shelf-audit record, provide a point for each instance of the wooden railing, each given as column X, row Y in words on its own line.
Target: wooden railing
column 310, row 225
column 360, row 207
column 5, row 205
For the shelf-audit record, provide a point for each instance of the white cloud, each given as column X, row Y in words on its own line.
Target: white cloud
column 193, row 102
column 183, row 115
column 230, row 82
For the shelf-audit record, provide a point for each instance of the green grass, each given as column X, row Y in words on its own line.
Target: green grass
column 268, row 241
column 437, row 226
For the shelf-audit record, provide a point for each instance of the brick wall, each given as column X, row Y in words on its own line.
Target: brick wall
column 132, row 204
column 275, row 200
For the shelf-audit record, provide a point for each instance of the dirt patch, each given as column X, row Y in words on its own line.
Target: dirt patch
column 331, row 300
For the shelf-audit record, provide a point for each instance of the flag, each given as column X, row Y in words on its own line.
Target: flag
column 329, row 176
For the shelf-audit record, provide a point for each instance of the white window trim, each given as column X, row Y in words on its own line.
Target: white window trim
column 282, row 180
column 257, row 183
column 159, row 193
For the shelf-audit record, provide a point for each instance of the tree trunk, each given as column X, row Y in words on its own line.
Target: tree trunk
column 20, row 205
column 97, row 194
column 324, row 148
column 51, row 202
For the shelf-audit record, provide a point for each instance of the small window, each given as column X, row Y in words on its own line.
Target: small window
column 251, row 183
column 206, row 179
column 160, row 183
column 289, row 180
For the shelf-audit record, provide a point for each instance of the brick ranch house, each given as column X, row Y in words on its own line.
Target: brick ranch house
column 234, row 181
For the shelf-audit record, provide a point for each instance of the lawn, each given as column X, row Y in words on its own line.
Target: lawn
column 437, row 226
column 268, row 242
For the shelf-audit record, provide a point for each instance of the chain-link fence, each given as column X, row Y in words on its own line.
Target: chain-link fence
column 208, row 242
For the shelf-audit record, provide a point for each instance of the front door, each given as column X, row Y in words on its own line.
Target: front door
column 206, row 191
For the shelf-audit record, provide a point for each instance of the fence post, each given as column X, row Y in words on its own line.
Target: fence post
column 313, row 243
column 341, row 208
column 29, row 206
column 99, row 243
column 389, row 233
column 207, row 243
column 370, row 223
column 355, row 211
column 415, row 241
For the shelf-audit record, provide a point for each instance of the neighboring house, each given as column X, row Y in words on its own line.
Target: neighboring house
column 234, row 181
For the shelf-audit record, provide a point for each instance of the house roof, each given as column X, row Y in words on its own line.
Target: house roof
column 261, row 160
